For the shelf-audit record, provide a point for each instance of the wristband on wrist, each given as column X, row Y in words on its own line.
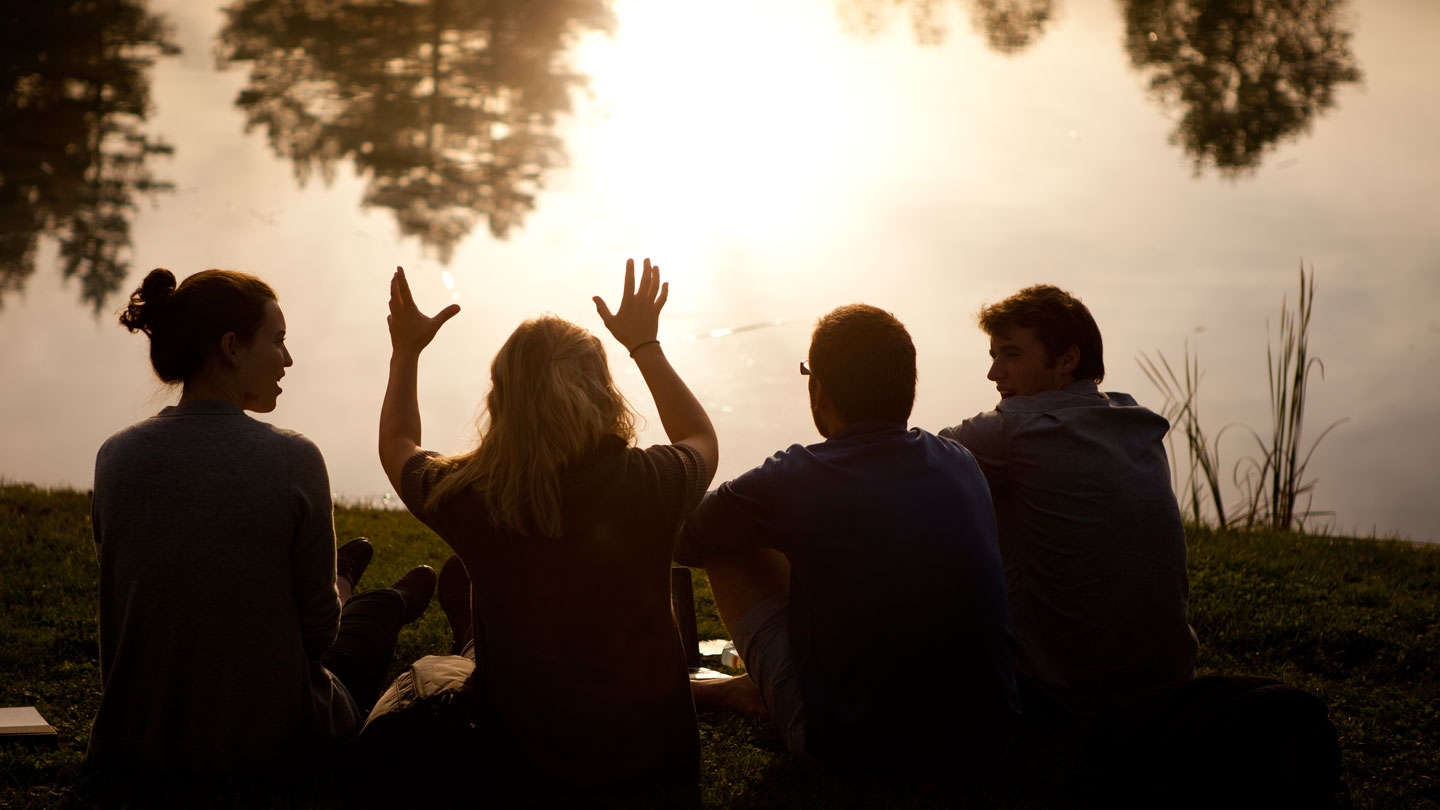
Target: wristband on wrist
column 641, row 345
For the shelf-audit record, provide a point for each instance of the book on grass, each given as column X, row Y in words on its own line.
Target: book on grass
column 24, row 723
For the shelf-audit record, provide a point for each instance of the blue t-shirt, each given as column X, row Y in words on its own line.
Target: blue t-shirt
column 898, row 616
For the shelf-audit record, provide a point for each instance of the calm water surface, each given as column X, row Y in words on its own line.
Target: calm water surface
column 1172, row 163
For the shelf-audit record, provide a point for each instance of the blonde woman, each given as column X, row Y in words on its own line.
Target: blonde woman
column 566, row 531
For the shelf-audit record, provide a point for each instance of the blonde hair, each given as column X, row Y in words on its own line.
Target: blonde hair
column 551, row 401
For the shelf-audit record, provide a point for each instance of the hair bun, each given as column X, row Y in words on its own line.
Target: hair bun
column 149, row 301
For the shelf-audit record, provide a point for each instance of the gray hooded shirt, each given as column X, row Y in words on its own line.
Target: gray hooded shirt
column 1092, row 542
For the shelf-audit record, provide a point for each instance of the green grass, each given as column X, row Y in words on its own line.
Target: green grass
column 1353, row 621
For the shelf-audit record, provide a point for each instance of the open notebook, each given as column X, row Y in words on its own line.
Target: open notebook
column 24, row 723
column 682, row 601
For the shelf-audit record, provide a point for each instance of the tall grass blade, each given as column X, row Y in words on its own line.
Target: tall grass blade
column 1273, row 490
column 1183, row 411
column 1280, row 470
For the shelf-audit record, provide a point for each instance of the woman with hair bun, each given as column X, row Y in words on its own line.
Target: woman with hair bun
column 566, row 531
column 224, row 648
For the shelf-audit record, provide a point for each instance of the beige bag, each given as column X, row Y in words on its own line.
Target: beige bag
column 427, row 681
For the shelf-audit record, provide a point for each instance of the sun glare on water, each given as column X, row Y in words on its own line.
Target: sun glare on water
column 715, row 118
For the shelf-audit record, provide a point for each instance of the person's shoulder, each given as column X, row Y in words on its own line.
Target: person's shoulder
column 791, row 463
column 660, row 451
column 123, row 440
column 1118, row 403
column 666, row 460
column 1081, row 394
column 1075, row 395
column 943, row 439
column 292, row 440
column 281, row 434
column 1127, row 411
column 984, row 425
column 796, row 456
column 130, row 432
column 789, row 457
column 1118, row 399
column 937, row 439
column 945, row 447
column 285, row 448
column 425, row 460
column 143, row 433
column 419, row 475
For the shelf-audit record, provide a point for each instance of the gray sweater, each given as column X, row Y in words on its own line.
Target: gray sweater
column 1093, row 546
column 216, row 542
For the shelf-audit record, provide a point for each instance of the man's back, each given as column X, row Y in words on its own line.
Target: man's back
column 1093, row 545
column 897, row 613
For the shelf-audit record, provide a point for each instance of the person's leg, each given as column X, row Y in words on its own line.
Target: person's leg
column 360, row 656
column 370, row 622
column 737, row 693
column 453, row 591
column 738, row 583
column 1039, row 709
column 741, row 581
column 351, row 561
column 752, row 593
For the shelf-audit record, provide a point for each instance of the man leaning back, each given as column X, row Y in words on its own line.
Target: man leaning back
column 1090, row 533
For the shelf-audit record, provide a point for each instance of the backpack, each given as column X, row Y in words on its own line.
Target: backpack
column 431, row 738
column 1220, row 741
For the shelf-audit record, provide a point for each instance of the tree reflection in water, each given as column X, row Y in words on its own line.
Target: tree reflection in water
column 1245, row 74
column 73, row 148
column 447, row 107
column 1009, row 26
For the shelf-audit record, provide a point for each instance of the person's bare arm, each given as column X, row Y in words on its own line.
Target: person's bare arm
column 410, row 332
column 636, row 325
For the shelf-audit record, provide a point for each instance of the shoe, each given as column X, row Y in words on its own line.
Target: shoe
column 453, row 591
column 416, row 587
column 352, row 559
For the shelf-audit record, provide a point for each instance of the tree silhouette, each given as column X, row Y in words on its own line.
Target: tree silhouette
column 446, row 107
column 1246, row 75
column 1009, row 26
column 73, row 148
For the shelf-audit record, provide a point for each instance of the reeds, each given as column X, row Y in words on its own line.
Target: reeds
column 1278, row 476
column 1272, row 485
column 1182, row 409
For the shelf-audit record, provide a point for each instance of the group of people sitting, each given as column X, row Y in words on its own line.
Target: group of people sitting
column 900, row 598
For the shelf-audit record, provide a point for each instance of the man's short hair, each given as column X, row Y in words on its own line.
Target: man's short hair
column 1059, row 320
column 865, row 360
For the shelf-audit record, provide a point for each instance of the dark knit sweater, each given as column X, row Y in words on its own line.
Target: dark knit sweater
column 216, row 543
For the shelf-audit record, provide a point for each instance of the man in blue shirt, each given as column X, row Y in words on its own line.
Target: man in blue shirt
column 1091, row 536
column 860, row 576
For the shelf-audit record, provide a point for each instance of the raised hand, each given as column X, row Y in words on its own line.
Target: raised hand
column 638, row 320
column 410, row 329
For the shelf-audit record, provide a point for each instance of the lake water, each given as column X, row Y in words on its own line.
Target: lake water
column 1172, row 163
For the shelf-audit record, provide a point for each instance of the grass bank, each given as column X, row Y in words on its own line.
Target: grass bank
column 1351, row 620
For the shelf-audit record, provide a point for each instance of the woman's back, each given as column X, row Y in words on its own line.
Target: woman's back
column 567, row 535
column 576, row 646
column 216, row 549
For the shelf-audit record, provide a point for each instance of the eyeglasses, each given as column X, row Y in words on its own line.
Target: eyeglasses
column 804, row 369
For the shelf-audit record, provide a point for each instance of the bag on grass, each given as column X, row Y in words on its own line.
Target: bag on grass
column 1221, row 741
column 431, row 736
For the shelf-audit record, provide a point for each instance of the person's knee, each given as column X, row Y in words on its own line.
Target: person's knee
column 380, row 606
column 741, row 581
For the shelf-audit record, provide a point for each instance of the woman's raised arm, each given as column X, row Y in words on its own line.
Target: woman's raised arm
column 636, row 325
column 410, row 332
